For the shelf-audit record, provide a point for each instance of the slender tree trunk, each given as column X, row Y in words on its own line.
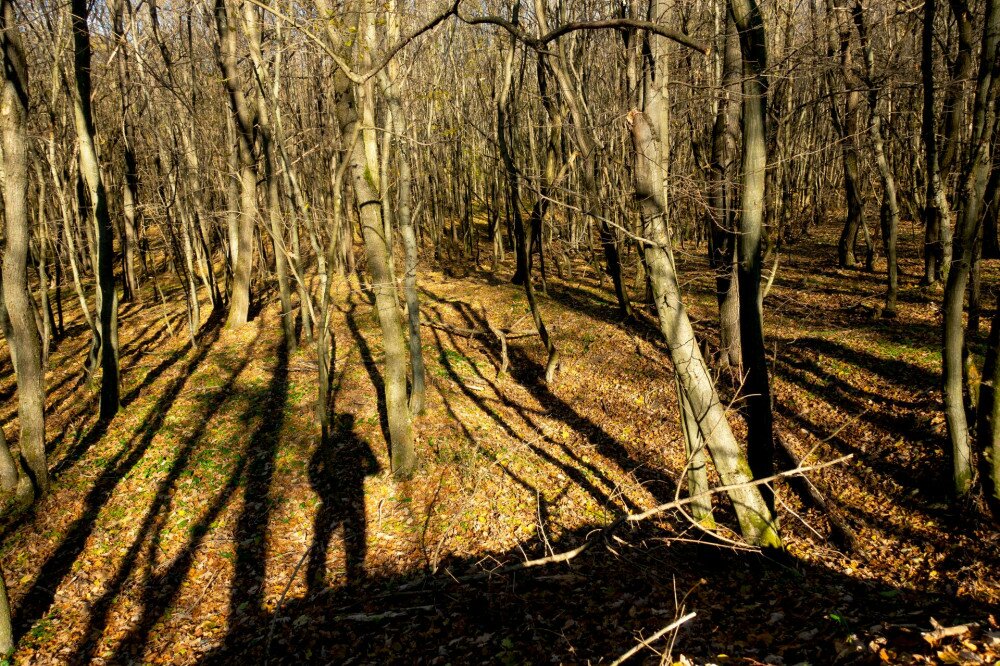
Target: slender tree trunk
column 245, row 120
column 353, row 100
column 96, row 205
column 263, row 76
column 972, row 191
column 890, row 206
column 130, row 184
column 760, row 435
column 988, row 418
column 6, row 628
column 25, row 345
column 722, row 202
column 938, row 213
column 390, row 83
column 48, row 320
column 846, row 124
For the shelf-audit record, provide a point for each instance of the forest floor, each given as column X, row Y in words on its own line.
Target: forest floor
column 206, row 523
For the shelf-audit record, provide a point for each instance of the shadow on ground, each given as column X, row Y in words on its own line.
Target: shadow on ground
column 593, row 609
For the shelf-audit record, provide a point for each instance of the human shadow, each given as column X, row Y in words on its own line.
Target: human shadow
column 337, row 472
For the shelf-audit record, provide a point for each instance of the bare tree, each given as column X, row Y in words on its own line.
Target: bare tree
column 95, row 202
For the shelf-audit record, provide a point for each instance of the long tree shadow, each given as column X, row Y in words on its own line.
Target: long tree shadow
column 957, row 552
column 577, row 470
column 903, row 374
column 80, row 438
column 37, row 600
column 246, row 596
column 371, row 367
column 159, row 588
column 905, row 424
column 533, row 491
column 211, row 332
column 526, row 371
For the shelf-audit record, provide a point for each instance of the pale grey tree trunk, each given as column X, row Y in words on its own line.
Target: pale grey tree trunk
column 757, row 521
column 245, row 121
column 890, row 205
column 355, row 115
column 391, row 83
column 25, row 345
column 263, row 77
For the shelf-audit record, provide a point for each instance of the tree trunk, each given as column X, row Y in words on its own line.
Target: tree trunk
column 390, row 82
column 96, row 205
column 972, row 191
column 988, row 418
column 6, row 627
column 937, row 211
column 364, row 167
column 722, row 202
column 845, row 122
column 760, row 435
column 25, row 346
column 245, row 120
column 890, row 207
column 130, row 183
column 756, row 519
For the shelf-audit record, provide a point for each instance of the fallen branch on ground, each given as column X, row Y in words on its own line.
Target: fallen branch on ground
column 475, row 332
column 568, row 555
column 502, row 335
column 646, row 641
column 941, row 632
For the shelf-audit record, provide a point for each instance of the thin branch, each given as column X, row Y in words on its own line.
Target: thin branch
column 734, row 486
column 539, row 43
column 361, row 77
column 646, row 641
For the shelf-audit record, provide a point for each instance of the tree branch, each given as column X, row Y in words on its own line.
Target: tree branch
column 574, row 26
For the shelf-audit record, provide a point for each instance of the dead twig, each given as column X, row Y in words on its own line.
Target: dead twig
column 941, row 632
column 646, row 641
column 281, row 601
